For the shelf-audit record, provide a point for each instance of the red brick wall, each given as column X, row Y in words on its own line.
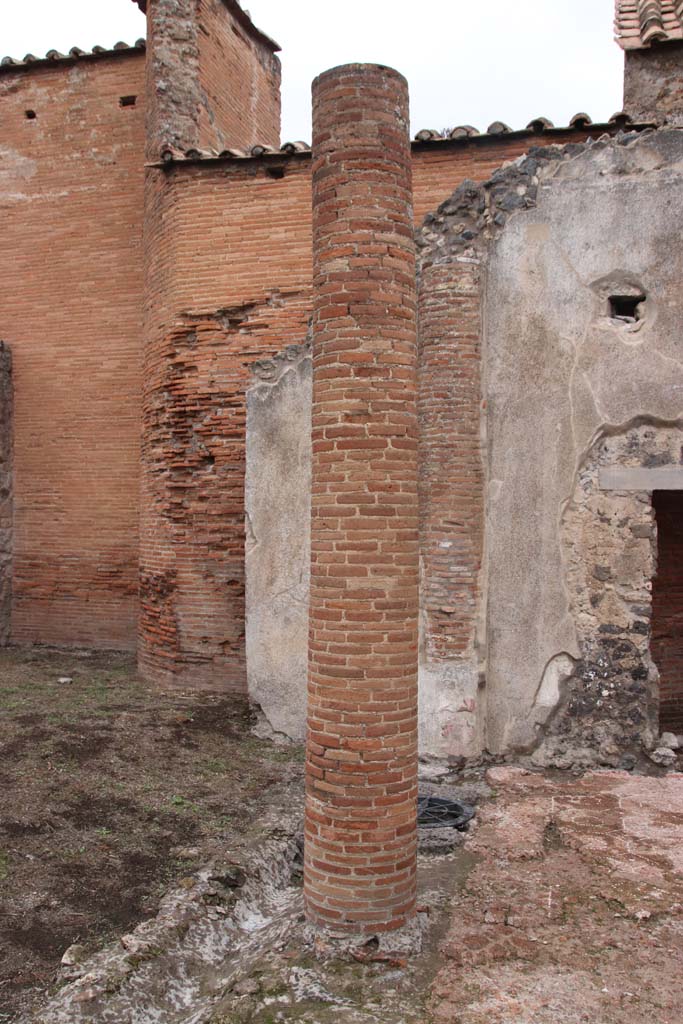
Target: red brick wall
column 229, row 282
column 667, row 608
column 361, row 768
column 212, row 80
column 6, row 494
column 71, row 191
column 240, row 82
column 234, row 235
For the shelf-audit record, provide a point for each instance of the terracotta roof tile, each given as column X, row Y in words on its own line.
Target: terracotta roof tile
column 463, row 131
column 75, row 53
column 540, row 124
column 498, row 128
column 427, row 136
column 639, row 23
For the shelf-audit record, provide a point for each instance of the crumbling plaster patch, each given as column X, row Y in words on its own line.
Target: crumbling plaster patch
column 560, row 373
column 653, row 88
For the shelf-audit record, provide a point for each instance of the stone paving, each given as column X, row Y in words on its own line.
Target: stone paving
column 573, row 912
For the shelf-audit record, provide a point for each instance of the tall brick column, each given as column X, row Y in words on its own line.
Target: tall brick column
column 360, row 856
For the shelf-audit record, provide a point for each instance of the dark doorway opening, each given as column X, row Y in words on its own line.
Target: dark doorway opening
column 667, row 608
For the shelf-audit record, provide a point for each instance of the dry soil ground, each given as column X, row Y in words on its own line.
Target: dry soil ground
column 108, row 792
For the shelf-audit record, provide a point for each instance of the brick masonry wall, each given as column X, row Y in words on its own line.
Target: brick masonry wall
column 450, row 464
column 237, row 244
column 229, row 276
column 212, row 82
column 71, row 191
column 361, row 769
column 6, row 496
column 667, row 608
column 240, row 83
column 224, row 90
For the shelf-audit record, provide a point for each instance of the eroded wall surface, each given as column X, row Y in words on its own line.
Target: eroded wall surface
column 562, row 376
column 653, row 84
column 228, row 284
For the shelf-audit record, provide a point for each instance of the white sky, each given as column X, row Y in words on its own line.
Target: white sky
column 467, row 62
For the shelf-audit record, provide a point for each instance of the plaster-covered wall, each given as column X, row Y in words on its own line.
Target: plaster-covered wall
column 559, row 374
column 278, row 556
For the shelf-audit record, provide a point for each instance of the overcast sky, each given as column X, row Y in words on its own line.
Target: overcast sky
column 467, row 62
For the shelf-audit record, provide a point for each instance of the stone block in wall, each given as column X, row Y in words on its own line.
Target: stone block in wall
column 277, row 505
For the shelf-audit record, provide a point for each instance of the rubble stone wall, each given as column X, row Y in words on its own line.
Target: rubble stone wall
column 608, row 705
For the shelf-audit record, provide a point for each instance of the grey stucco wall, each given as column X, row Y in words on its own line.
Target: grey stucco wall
column 558, row 374
column 277, row 501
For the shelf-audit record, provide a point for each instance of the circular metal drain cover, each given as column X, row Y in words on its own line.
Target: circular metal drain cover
column 438, row 812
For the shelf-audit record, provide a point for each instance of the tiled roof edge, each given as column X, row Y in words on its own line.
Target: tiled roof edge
column 75, row 53
column 540, row 126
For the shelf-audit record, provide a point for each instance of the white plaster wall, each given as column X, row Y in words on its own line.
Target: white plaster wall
column 557, row 373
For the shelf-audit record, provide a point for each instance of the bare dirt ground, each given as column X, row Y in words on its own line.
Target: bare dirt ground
column 108, row 792
column 564, row 905
column 574, row 910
